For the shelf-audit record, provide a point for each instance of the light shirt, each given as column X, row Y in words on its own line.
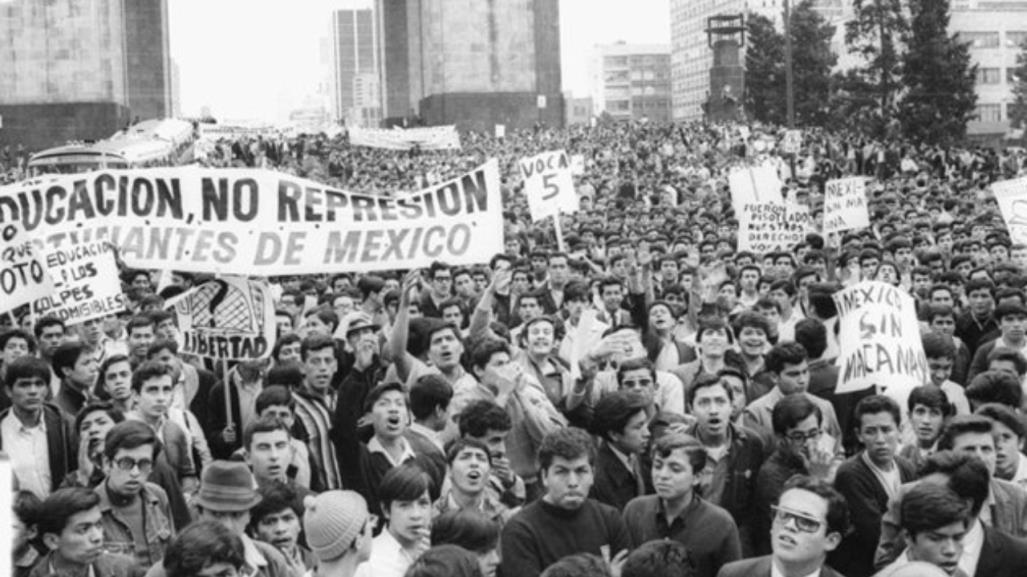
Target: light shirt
column 1020, row 476
column 427, row 433
column 29, row 453
column 252, row 556
column 889, row 480
column 375, row 446
column 388, row 558
column 973, row 541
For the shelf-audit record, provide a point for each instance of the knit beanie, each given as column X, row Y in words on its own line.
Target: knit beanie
column 332, row 521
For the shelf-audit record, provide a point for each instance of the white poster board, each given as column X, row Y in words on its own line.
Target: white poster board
column 548, row 184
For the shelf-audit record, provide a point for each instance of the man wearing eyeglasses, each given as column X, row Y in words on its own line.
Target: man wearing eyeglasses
column 136, row 516
column 808, row 523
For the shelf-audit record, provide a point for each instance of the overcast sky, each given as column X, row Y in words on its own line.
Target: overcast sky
column 259, row 58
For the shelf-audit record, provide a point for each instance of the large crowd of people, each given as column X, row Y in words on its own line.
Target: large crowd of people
column 634, row 397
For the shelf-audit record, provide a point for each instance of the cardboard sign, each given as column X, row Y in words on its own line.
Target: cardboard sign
column 230, row 318
column 23, row 274
column 791, row 142
column 845, row 205
column 548, row 184
column 259, row 223
column 86, row 283
column 879, row 337
column 768, row 227
column 754, row 185
column 1011, row 196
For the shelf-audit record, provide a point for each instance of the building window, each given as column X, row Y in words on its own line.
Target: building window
column 980, row 39
column 989, row 112
column 989, row 75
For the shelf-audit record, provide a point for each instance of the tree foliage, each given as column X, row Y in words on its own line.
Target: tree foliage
column 878, row 33
column 937, row 76
column 764, row 71
column 1018, row 108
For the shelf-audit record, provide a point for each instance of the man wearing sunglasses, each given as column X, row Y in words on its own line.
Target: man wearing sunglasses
column 136, row 516
column 808, row 523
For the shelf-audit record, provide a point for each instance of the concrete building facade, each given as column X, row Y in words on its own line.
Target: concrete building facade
column 81, row 69
column 632, row 81
column 355, row 68
column 475, row 63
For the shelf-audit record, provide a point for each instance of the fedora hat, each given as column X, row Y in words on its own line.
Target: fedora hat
column 227, row 486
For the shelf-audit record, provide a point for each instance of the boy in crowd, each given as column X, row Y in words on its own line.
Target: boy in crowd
column 276, row 401
column 77, row 368
column 621, row 422
column 268, row 452
column 406, row 508
column 928, row 408
column 470, row 466
column 276, row 521
column 934, row 524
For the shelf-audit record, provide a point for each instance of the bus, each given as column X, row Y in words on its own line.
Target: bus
column 167, row 142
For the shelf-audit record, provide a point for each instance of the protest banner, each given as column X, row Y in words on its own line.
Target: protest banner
column 766, row 227
column 257, row 222
column 427, row 138
column 791, row 141
column 754, row 185
column 86, row 283
column 845, row 205
column 23, row 274
column 548, row 184
column 229, row 318
column 879, row 339
column 1011, row 196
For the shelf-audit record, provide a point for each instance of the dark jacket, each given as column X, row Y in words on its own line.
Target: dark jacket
column 760, row 567
column 106, row 565
column 614, row 484
column 745, row 457
column 972, row 330
column 770, row 481
column 867, row 503
column 61, row 442
column 1001, row 555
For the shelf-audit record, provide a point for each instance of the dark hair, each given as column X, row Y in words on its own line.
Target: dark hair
column 1009, row 355
column 289, row 375
column 995, row 387
column 26, row 507
column 283, row 341
column 961, row 425
column 99, row 389
column 837, row 507
column 428, row 392
column 978, row 284
column 928, row 506
column 934, row 311
column 275, row 497
column 48, row 321
column 659, row 558
column 275, row 395
column 782, row 354
column 792, row 410
column 751, row 319
column 578, row 565
column 379, row 391
column 569, row 443
column 938, row 345
column 634, row 365
column 931, row 397
column 57, row 509
column 266, row 424
column 130, row 435
column 613, row 411
column 65, row 357
column 406, row 482
column 873, row 405
column 160, row 345
column 201, row 544
column 97, row 405
column 467, row 528
column 454, row 447
column 483, row 351
column 138, row 321
column 27, row 367
column 707, row 324
column 479, row 417
column 316, row 343
column 968, row 475
column 812, row 335
column 694, row 450
column 30, row 341
column 445, row 561
column 1003, row 414
column 148, row 370
column 706, row 381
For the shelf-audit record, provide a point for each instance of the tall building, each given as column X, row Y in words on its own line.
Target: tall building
column 355, row 65
column 632, row 81
column 81, row 69
column 995, row 29
column 692, row 57
column 471, row 63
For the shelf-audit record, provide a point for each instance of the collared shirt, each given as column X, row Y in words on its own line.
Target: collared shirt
column 1020, row 476
column 388, row 558
column 904, row 559
column 29, row 451
column 488, row 506
column 254, row 559
column 973, row 542
column 776, row 572
column 375, row 446
column 427, row 433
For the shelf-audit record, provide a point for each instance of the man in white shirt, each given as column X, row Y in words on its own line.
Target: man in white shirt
column 935, row 522
column 35, row 435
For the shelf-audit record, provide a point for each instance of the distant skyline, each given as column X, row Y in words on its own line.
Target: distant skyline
column 257, row 59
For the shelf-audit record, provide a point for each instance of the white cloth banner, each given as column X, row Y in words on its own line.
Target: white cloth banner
column 427, row 138
column 845, row 205
column 548, row 184
column 879, row 338
column 23, row 274
column 257, row 222
column 1011, row 196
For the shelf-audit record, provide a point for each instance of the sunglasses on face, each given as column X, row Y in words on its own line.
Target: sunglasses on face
column 802, row 523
